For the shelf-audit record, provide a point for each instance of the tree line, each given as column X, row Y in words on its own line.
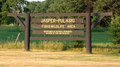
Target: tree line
column 57, row 6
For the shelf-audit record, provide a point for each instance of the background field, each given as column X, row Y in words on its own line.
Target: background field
column 9, row 33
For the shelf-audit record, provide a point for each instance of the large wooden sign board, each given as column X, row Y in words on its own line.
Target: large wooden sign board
column 53, row 23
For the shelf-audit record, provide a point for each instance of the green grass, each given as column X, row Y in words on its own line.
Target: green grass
column 11, row 28
column 8, row 36
column 101, row 37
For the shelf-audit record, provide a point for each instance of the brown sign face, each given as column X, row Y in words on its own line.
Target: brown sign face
column 59, row 26
column 58, row 20
column 58, row 32
column 80, row 20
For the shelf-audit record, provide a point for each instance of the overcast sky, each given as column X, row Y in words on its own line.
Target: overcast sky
column 35, row 0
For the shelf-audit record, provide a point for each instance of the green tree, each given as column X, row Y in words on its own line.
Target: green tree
column 1, row 4
column 31, row 7
column 43, row 6
column 106, row 6
column 54, row 6
column 114, row 29
column 67, row 6
column 11, row 6
column 75, row 6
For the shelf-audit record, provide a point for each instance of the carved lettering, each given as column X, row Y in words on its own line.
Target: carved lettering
column 52, row 26
column 57, row 32
column 58, row 21
column 70, row 26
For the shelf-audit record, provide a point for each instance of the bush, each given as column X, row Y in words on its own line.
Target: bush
column 114, row 29
column 5, row 19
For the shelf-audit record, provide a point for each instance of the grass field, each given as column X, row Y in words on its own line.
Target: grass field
column 38, row 58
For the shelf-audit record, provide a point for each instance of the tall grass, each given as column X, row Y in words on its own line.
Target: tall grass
column 43, row 45
column 62, row 46
column 49, row 45
column 12, row 45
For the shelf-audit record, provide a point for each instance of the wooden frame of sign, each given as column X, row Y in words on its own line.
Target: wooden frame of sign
column 53, row 25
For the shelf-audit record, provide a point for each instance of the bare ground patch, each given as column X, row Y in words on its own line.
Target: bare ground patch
column 38, row 58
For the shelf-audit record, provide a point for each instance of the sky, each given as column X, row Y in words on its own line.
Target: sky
column 35, row 0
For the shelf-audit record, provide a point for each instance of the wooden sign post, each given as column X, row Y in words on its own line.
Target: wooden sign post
column 27, row 32
column 53, row 25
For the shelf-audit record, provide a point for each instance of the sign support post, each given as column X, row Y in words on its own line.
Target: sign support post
column 88, row 33
column 27, row 32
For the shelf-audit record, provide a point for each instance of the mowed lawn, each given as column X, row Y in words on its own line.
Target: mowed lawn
column 38, row 58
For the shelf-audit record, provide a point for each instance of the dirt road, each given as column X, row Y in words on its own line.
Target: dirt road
column 38, row 58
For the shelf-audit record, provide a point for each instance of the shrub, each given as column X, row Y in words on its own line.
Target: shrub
column 114, row 29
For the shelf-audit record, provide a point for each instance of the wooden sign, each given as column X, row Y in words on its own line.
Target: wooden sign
column 80, row 20
column 88, row 27
column 59, row 32
column 59, row 26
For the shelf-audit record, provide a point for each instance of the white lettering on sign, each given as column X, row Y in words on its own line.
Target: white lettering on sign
column 58, row 21
column 52, row 26
column 57, row 32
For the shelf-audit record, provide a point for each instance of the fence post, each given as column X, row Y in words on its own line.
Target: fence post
column 88, row 33
column 27, row 32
